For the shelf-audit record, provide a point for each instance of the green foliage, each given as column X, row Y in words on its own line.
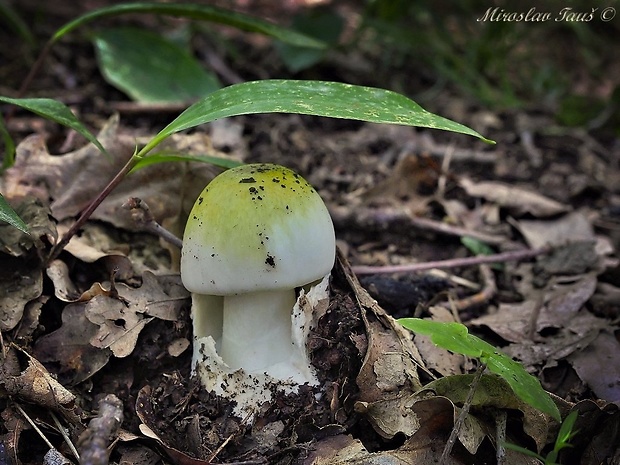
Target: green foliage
column 455, row 338
column 197, row 12
column 8, row 215
column 9, row 145
column 562, row 441
column 15, row 22
column 329, row 99
column 322, row 24
column 129, row 59
column 318, row 98
column 56, row 111
column 150, row 68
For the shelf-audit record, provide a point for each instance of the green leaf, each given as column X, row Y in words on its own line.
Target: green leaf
column 319, row 98
column 16, row 22
column 476, row 246
column 566, row 432
column 198, row 12
column 524, row 451
column 9, row 146
column 8, row 215
column 54, row 111
column 455, row 338
column 167, row 156
column 325, row 25
column 150, row 68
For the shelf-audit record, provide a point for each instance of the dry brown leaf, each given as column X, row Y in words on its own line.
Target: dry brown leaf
column 572, row 227
column 73, row 179
column 20, row 283
column 69, row 347
column 516, row 199
column 40, row 227
column 36, row 385
column 120, row 320
column 119, row 326
column 388, row 376
column 598, row 365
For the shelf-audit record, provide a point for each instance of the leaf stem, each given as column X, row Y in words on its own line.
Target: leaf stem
column 458, row 424
column 88, row 211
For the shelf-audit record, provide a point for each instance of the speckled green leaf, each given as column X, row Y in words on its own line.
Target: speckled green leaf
column 8, row 215
column 320, row 98
column 54, row 111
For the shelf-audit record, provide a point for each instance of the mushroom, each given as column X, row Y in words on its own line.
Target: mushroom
column 255, row 234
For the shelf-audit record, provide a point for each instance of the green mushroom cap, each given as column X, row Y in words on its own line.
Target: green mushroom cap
column 256, row 227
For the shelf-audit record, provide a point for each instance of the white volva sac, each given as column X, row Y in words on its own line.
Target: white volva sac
column 255, row 234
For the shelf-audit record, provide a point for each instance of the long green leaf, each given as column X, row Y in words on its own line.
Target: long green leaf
column 199, row 12
column 455, row 338
column 55, row 111
column 8, row 215
column 319, row 98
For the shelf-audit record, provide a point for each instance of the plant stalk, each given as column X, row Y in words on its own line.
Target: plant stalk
column 86, row 213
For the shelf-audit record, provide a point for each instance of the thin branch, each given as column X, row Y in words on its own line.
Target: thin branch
column 141, row 214
column 515, row 255
column 484, row 295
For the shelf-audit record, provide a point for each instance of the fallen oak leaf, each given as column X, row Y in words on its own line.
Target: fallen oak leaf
column 121, row 319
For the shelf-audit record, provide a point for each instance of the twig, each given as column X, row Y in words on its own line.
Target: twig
column 34, row 426
column 458, row 424
column 479, row 298
column 141, row 214
column 500, row 428
column 65, row 436
column 387, row 218
column 95, row 439
column 514, row 255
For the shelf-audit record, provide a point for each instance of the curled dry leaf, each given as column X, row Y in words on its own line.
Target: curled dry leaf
column 388, row 376
column 21, row 279
column 36, row 385
column 20, row 283
column 517, row 200
column 30, row 209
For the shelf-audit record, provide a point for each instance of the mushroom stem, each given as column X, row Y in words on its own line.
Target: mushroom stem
column 256, row 335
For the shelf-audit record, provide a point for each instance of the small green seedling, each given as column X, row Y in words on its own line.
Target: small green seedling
column 565, row 434
column 455, row 338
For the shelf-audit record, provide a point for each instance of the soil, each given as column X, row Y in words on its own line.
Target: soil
column 398, row 196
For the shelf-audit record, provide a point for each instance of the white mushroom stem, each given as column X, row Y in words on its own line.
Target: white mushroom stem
column 256, row 335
